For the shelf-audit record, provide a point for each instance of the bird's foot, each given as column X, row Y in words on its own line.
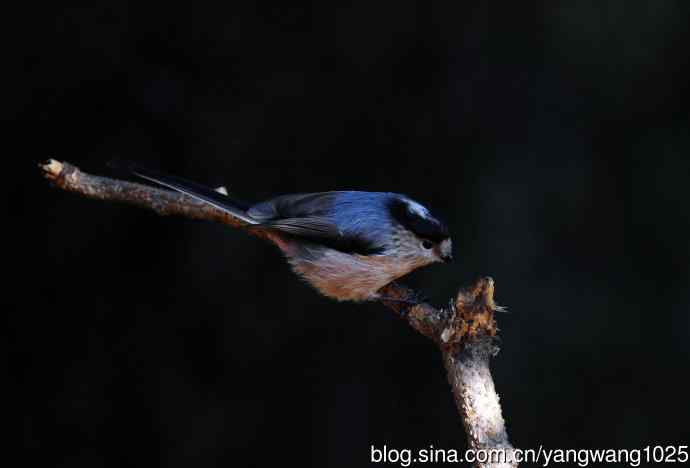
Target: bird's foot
column 409, row 303
column 412, row 301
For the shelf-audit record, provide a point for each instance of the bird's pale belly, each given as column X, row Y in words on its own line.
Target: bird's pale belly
column 348, row 277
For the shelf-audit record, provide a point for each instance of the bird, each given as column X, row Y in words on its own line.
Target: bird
column 347, row 245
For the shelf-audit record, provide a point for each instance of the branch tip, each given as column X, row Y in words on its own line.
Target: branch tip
column 472, row 314
column 52, row 169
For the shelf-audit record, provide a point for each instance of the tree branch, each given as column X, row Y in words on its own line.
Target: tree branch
column 464, row 332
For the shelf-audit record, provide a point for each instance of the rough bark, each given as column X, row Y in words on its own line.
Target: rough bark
column 464, row 331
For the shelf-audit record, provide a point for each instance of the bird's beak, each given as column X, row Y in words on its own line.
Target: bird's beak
column 446, row 251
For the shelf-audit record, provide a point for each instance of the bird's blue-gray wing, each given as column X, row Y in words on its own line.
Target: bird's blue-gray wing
column 302, row 205
column 317, row 218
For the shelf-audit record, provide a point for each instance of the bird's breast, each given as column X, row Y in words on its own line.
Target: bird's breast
column 345, row 276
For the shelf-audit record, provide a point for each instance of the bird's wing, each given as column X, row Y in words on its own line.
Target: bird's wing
column 311, row 217
column 303, row 215
column 313, row 227
column 302, row 205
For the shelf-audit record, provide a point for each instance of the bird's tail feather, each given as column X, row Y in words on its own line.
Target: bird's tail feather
column 208, row 195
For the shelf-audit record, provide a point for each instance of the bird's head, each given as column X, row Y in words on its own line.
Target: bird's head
column 420, row 236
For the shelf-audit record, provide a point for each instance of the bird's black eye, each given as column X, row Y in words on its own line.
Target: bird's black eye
column 427, row 244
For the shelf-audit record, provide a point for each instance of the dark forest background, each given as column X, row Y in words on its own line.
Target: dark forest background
column 552, row 136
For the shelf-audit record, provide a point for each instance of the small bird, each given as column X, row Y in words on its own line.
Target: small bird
column 346, row 244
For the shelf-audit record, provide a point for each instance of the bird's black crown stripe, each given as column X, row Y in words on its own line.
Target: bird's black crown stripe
column 427, row 228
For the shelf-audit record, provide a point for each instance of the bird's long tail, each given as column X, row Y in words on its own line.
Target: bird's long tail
column 229, row 204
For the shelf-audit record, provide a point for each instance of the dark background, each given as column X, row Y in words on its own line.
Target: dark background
column 552, row 137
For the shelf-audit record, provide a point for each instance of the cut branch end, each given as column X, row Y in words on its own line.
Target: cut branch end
column 52, row 169
column 472, row 314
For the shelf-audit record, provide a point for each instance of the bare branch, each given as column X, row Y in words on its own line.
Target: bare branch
column 464, row 332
